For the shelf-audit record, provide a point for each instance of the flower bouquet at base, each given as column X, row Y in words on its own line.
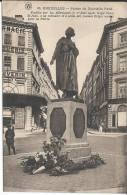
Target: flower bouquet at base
column 55, row 162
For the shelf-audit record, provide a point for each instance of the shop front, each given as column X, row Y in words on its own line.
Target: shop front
column 22, row 110
column 122, row 117
column 7, row 117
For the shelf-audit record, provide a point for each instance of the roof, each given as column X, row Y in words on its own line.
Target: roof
column 14, row 21
column 121, row 22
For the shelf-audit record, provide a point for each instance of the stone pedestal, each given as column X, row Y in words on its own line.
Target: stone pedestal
column 67, row 118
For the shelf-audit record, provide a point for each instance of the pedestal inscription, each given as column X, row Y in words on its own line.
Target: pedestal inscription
column 58, row 122
column 79, row 123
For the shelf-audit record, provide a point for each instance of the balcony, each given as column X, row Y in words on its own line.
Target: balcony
column 124, row 44
column 123, row 96
column 120, row 74
column 117, row 100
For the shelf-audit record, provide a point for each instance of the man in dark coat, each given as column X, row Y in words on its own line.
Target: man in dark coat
column 9, row 135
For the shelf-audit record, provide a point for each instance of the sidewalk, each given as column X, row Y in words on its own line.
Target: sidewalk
column 25, row 133
column 107, row 134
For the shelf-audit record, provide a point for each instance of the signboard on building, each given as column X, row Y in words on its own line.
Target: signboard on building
column 14, row 29
column 14, row 74
column 11, row 49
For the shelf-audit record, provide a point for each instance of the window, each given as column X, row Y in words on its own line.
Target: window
column 123, row 63
column 20, row 63
column 122, row 116
column 21, row 41
column 7, row 62
column 104, row 73
column 113, row 120
column 21, row 88
column 7, row 39
column 123, row 39
column 122, row 89
column 122, row 108
column 19, row 118
column 105, row 51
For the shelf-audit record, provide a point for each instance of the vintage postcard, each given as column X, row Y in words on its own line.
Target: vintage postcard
column 64, row 67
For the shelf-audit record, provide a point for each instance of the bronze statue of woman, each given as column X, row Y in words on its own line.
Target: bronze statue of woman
column 65, row 55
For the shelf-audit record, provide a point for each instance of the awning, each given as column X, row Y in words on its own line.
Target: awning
column 23, row 100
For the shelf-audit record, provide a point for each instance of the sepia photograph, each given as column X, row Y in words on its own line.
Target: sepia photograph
column 64, row 96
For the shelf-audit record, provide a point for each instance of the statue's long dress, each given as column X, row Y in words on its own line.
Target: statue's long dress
column 66, row 70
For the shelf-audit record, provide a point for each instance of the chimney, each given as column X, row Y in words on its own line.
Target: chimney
column 19, row 17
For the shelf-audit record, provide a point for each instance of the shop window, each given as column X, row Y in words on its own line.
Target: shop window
column 19, row 118
column 20, row 63
column 7, row 39
column 122, row 63
column 123, row 39
column 21, row 41
column 122, row 116
column 7, row 62
column 113, row 120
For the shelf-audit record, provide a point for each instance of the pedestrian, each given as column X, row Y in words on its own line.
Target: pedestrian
column 104, row 127
column 32, row 129
column 9, row 135
column 44, row 115
column 101, row 127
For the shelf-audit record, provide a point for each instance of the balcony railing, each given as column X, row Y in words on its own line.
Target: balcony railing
column 122, row 96
column 123, row 44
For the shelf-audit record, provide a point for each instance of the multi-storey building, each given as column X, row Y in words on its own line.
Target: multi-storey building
column 27, row 82
column 105, row 87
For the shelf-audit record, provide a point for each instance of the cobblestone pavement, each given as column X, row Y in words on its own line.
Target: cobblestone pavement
column 25, row 143
column 109, row 176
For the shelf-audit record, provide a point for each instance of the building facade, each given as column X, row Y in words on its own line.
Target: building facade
column 27, row 82
column 105, row 87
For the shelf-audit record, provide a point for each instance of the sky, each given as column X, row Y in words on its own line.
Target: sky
column 88, row 31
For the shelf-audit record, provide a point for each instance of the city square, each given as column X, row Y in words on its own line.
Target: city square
column 107, row 178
